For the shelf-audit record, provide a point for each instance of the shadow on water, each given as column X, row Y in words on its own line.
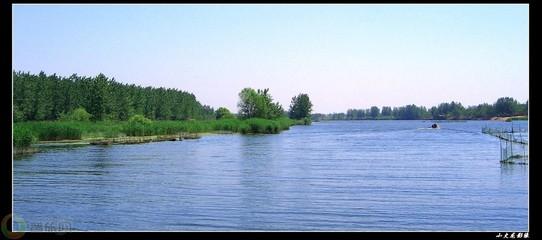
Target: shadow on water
column 43, row 149
column 101, row 158
column 255, row 168
column 511, row 169
column 263, row 164
column 100, row 163
column 23, row 156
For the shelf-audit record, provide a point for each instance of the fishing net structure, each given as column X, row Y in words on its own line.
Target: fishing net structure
column 514, row 144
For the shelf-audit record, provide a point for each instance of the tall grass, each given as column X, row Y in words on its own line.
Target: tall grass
column 49, row 130
column 26, row 132
column 22, row 137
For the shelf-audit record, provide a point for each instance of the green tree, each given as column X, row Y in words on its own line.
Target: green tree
column 45, row 97
column 258, row 104
column 248, row 103
column 275, row 110
column 18, row 115
column 43, row 102
column 506, row 106
column 301, row 107
column 375, row 112
column 97, row 97
column 456, row 110
column 386, row 111
column 223, row 113
column 124, row 104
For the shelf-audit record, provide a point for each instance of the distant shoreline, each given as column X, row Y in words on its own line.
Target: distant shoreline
column 511, row 118
column 502, row 119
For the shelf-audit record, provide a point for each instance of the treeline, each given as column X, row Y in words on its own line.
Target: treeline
column 49, row 97
column 503, row 107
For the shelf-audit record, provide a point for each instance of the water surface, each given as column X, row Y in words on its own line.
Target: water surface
column 337, row 175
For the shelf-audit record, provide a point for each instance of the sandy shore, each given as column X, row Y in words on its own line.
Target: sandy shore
column 507, row 119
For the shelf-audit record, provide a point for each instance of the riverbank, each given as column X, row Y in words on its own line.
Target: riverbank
column 47, row 133
column 509, row 119
column 25, row 150
column 40, row 145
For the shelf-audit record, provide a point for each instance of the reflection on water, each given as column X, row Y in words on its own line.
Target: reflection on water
column 511, row 174
column 349, row 175
column 510, row 169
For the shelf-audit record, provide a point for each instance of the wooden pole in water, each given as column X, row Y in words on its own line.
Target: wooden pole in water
column 511, row 152
column 524, row 157
column 500, row 143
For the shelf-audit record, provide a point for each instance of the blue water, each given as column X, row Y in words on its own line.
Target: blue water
column 338, row 175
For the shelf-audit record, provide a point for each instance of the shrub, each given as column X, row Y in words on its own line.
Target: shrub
column 78, row 114
column 140, row 119
column 223, row 113
column 138, row 125
column 307, row 121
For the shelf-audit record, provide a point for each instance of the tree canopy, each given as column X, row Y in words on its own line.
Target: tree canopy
column 223, row 113
column 47, row 97
column 507, row 106
column 258, row 104
column 301, row 107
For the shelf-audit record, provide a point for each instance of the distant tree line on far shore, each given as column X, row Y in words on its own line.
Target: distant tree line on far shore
column 503, row 107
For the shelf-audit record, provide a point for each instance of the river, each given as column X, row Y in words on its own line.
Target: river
column 335, row 175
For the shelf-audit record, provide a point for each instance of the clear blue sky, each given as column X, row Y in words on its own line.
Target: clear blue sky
column 343, row 56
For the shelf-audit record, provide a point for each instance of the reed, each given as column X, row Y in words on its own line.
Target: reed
column 26, row 133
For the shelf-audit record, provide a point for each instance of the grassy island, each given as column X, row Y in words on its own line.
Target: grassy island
column 49, row 109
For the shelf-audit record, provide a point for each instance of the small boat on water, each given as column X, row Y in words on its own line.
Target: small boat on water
column 435, row 125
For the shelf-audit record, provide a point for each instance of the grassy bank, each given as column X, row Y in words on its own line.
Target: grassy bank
column 26, row 133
